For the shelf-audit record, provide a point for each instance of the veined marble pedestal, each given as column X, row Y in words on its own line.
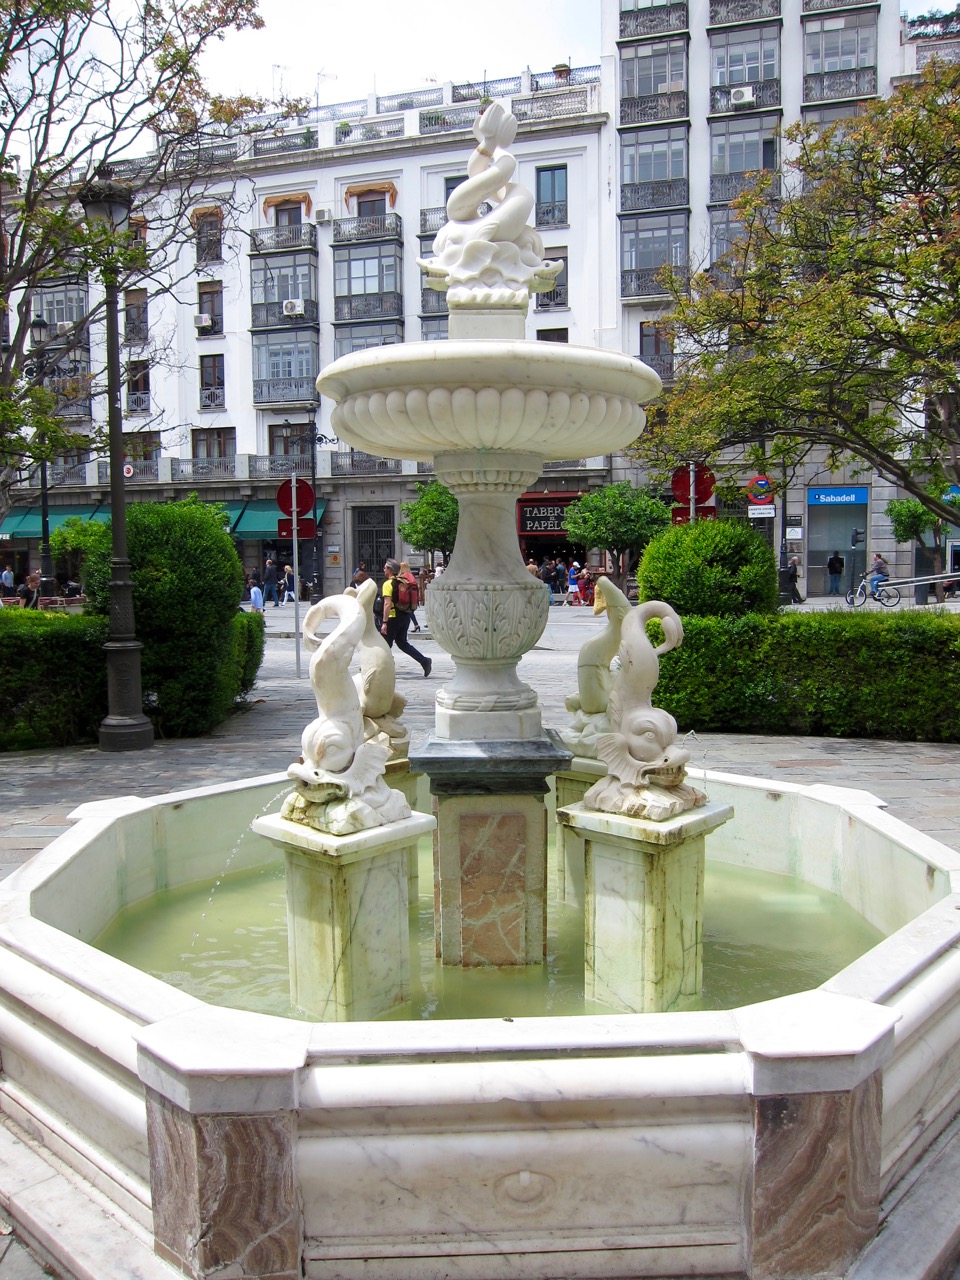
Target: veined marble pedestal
column 347, row 915
column 572, row 785
column 643, row 891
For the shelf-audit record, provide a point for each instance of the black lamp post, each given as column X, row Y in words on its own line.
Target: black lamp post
column 40, row 364
column 125, row 727
column 315, row 437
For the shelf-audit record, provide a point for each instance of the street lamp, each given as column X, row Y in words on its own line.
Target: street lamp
column 38, row 370
column 315, row 437
column 125, row 727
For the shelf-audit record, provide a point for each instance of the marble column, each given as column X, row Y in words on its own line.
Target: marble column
column 348, row 925
column 491, row 848
column 643, row 906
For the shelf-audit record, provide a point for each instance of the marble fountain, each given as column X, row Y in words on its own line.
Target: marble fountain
column 750, row 1142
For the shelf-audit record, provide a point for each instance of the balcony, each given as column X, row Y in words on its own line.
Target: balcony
column 486, row 89
column 665, row 193
column 576, row 102
column 270, row 315
column 725, row 12
column 282, row 143
column 409, row 101
column 213, row 397
column 269, row 239
column 553, row 299
column 138, row 402
column 363, row 464
column 204, row 468
column 366, row 131
column 136, row 332
column 433, row 302
column 652, row 107
column 860, row 83
column 368, row 306
column 145, row 471
column 207, row 157
column 447, row 119
column 553, row 214
column 381, row 226
column 817, row 6
column 431, row 220
column 655, row 21
column 727, row 186
column 277, row 465
column 642, row 282
column 766, row 93
column 302, row 390
column 61, row 473
column 660, row 362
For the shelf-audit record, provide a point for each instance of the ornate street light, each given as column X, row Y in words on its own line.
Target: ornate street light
column 38, row 370
column 125, row 727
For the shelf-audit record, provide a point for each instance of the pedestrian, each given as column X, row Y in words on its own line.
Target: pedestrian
column 879, row 571
column 359, row 574
column 6, row 581
column 256, row 596
column 396, row 616
column 410, row 578
column 793, row 577
column 573, row 583
column 548, row 574
column 532, row 568
column 29, row 593
column 834, row 572
column 270, row 584
column 289, row 585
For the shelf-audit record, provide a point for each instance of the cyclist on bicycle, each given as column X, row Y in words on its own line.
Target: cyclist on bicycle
column 879, row 570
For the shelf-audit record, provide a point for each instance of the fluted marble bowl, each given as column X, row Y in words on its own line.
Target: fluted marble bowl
column 416, row 399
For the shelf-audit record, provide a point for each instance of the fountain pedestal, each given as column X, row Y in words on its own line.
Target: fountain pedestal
column 643, row 892
column 347, row 915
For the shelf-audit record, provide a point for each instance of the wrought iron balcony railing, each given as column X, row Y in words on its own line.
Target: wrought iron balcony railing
column 144, row 470
column 138, row 402
column 728, row 11
column 204, row 468
column 663, row 194
column 642, row 282
column 282, row 143
column 660, row 362
column 554, row 300
column 213, row 397
column 433, row 302
column 654, row 21
column 368, row 131
column 486, row 89
column 363, row 464
column 302, row 390
column 552, row 214
column 765, row 93
column 268, row 466
column 135, row 332
column 447, row 119
column 301, row 235
column 540, row 107
column 652, row 107
column 433, row 219
column 727, row 186
column 381, row 226
column 61, row 473
column 859, row 83
column 409, row 101
column 271, row 315
column 566, row 464
column 368, row 306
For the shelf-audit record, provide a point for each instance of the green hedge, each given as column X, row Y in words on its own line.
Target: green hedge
column 835, row 674
column 711, row 568
column 53, row 679
column 250, row 632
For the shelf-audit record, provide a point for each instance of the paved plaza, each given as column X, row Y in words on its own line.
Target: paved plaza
column 920, row 782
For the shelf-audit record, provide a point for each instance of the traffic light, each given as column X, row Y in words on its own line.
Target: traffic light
column 857, row 537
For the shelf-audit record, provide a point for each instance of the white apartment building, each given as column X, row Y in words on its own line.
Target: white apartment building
column 633, row 163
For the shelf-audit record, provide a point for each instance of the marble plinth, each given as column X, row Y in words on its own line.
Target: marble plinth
column 643, row 895
column 348, row 915
column 572, row 784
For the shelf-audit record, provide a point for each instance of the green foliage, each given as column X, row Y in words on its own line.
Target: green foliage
column 53, row 681
column 910, row 520
column 73, row 542
column 250, row 638
column 718, row 568
column 618, row 519
column 430, row 522
column 836, row 674
column 187, row 583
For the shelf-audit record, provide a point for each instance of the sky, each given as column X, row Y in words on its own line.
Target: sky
column 334, row 53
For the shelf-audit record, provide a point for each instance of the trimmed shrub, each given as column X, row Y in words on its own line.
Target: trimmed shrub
column 836, row 674
column 711, row 568
column 53, row 679
column 251, row 635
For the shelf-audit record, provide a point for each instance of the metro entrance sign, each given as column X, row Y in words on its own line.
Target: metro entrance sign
column 302, row 495
column 760, row 490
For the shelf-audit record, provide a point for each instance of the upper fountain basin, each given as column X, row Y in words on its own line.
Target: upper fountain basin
column 418, row 399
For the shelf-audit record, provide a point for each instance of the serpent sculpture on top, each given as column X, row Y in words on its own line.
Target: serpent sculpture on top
column 490, row 259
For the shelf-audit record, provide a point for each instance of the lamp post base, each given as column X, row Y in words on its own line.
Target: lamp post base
column 125, row 727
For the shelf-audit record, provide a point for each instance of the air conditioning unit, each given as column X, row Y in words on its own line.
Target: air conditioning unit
column 63, row 328
column 324, row 216
column 743, row 96
column 202, row 321
column 294, row 307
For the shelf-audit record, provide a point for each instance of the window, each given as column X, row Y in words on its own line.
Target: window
column 138, row 230
column 61, row 304
column 373, row 268
column 553, row 335
column 210, row 303
column 288, row 215
column 653, row 242
column 653, row 155
column 552, row 196
column 743, row 146
column 655, row 349
column 653, row 68
column 744, row 56
column 280, row 277
column 359, row 337
column 824, row 117
column 142, row 445
column 557, row 297
column 285, row 366
column 212, row 385
column 209, row 238
column 434, row 330
column 138, row 386
column 840, row 44
column 724, row 230
column 214, row 442
column 450, row 185
column 370, row 206
column 135, row 326
column 288, row 439
column 629, row 6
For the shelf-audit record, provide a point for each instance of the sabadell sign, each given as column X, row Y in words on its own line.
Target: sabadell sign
column 852, row 496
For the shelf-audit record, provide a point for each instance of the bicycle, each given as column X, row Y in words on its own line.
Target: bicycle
column 887, row 596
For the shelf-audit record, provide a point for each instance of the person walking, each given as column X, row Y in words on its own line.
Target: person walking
column 289, row 585
column 793, row 577
column 879, row 571
column 407, row 574
column 256, row 597
column 573, row 581
column 270, row 584
column 29, row 593
column 548, row 574
column 396, row 616
column 834, row 573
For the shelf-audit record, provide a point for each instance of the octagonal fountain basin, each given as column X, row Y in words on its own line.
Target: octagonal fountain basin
column 753, row 1141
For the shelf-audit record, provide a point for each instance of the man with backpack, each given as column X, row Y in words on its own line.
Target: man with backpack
column 400, row 597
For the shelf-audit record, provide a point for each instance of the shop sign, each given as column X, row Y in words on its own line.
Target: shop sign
column 794, row 532
column 761, row 513
column 835, row 496
column 541, row 517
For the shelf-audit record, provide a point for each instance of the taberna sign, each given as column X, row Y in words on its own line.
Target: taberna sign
column 542, row 516
column 855, row 495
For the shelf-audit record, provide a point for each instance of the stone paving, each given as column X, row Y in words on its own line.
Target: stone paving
column 38, row 789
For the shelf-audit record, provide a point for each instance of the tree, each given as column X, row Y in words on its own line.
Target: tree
column 105, row 87
column 710, row 568
column 911, row 521
column 834, row 321
column 620, row 520
column 430, row 522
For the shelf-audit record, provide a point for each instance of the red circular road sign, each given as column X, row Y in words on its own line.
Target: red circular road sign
column 304, row 496
column 761, row 490
column 704, row 482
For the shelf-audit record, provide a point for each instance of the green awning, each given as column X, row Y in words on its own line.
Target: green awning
column 26, row 522
column 259, row 518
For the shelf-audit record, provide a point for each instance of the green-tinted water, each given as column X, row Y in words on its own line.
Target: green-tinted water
column 764, row 935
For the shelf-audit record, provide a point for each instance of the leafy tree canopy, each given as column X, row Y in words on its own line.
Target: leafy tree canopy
column 834, row 321
column 619, row 519
column 430, row 522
